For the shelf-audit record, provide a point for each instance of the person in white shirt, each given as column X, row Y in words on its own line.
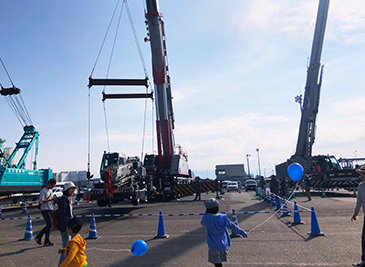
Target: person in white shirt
column 46, row 200
column 361, row 202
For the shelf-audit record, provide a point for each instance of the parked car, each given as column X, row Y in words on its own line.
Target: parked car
column 232, row 186
column 250, row 185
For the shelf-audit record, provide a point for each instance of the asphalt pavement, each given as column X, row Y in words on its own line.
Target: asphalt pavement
column 272, row 239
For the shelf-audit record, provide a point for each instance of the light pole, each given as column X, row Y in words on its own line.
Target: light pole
column 355, row 154
column 248, row 165
column 258, row 159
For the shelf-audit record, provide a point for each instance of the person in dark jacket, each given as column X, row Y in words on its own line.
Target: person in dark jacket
column 197, row 188
column 65, row 213
column 274, row 185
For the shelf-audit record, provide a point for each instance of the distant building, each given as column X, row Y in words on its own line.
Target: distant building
column 230, row 172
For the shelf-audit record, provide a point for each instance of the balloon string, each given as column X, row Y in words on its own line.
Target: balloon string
column 287, row 200
column 114, row 250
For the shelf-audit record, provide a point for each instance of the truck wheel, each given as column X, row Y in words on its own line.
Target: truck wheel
column 135, row 199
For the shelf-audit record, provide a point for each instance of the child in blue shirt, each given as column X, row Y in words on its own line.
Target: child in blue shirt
column 218, row 238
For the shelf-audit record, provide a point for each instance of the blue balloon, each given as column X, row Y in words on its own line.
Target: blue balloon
column 295, row 171
column 139, row 248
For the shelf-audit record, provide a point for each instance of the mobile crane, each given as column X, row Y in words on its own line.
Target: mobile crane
column 170, row 166
column 324, row 170
column 159, row 173
column 14, row 177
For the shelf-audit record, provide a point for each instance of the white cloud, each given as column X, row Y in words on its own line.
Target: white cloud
column 274, row 17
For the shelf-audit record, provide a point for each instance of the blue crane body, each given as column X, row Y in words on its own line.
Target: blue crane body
column 14, row 177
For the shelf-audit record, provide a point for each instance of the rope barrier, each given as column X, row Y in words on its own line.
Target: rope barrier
column 287, row 200
column 279, row 210
column 151, row 215
column 19, row 218
column 113, row 250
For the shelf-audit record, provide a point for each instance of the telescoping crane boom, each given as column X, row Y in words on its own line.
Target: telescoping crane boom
column 169, row 167
column 324, row 170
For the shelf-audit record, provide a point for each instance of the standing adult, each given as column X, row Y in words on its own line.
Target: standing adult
column 65, row 213
column 274, row 185
column 307, row 187
column 262, row 183
column 361, row 202
column 197, row 188
column 46, row 200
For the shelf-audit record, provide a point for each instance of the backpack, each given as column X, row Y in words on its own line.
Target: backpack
column 55, row 220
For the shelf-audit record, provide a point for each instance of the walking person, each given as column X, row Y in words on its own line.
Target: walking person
column 75, row 250
column 65, row 214
column 218, row 238
column 46, row 200
column 360, row 201
column 197, row 188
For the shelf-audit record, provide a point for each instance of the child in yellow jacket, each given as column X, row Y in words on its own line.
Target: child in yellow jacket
column 75, row 256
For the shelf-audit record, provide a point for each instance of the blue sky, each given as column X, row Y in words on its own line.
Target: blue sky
column 235, row 66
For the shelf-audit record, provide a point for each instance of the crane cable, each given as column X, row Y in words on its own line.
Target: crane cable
column 145, row 73
column 15, row 101
column 142, row 62
column 89, row 95
column 107, row 73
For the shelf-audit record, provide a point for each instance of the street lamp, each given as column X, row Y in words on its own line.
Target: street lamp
column 258, row 159
column 248, row 165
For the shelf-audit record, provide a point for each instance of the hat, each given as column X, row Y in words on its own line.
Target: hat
column 211, row 203
column 361, row 169
column 69, row 185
